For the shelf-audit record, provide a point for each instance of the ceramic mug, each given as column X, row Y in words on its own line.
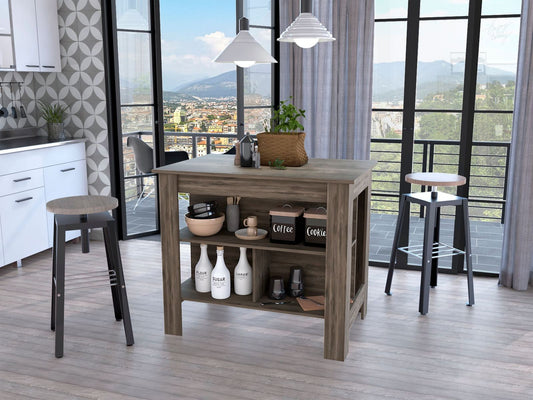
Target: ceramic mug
column 250, row 221
column 251, row 224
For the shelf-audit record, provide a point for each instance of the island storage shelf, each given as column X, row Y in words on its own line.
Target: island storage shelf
column 228, row 239
column 338, row 271
column 190, row 294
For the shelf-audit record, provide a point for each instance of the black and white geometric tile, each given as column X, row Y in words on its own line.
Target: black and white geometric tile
column 80, row 86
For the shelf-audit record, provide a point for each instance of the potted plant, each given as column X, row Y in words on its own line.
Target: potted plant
column 54, row 115
column 284, row 140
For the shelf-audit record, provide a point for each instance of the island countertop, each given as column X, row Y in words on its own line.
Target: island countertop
column 316, row 170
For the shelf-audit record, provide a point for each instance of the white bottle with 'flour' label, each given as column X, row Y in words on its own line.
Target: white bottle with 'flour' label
column 220, row 277
column 242, row 280
column 202, row 271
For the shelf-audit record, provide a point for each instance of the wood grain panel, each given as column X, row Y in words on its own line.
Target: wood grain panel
column 169, row 225
column 251, row 187
column 317, row 170
column 338, row 267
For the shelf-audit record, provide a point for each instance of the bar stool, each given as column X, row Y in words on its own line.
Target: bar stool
column 432, row 249
column 86, row 212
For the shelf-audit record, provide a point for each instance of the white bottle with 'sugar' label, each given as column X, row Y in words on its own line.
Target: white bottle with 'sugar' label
column 220, row 277
column 242, row 280
column 202, row 271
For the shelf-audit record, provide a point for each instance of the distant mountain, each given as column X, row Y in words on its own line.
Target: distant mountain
column 432, row 77
column 388, row 81
column 223, row 85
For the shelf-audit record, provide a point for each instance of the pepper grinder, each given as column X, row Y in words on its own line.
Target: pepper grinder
column 247, row 148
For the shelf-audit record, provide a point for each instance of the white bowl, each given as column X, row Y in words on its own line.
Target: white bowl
column 206, row 226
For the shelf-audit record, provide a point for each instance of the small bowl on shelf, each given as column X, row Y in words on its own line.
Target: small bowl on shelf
column 205, row 226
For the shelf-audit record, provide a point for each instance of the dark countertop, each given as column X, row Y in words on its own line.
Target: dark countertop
column 13, row 145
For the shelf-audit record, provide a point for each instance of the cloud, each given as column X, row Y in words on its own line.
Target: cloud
column 215, row 42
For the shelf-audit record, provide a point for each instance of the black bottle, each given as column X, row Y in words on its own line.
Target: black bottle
column 247, row 148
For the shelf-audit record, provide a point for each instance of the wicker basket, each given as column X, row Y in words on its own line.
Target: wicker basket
column 288, row 147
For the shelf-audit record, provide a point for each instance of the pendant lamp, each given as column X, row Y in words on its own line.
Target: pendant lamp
column 306, row 30
column 244, row 50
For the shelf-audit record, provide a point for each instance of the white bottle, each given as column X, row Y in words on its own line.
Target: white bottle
column 202, row 271
column 242, row 280
column 220, row 277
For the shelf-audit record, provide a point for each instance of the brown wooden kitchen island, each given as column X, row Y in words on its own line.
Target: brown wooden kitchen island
column 339, row 271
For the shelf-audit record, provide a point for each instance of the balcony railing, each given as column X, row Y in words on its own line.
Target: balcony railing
column 488, row 180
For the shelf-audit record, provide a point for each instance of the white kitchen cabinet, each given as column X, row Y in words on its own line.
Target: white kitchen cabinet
column 63, row 180
column 57, row 171
column 6, row 42
column 36, row 35
column 5, row 21
column 1, row 245
column 48, row 35
column 24, row 226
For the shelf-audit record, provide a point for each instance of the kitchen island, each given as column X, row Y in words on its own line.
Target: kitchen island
column 339, row 271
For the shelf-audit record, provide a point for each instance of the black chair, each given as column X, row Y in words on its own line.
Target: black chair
column 144, row 161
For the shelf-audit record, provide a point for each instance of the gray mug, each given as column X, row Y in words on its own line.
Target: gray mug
column 232, row 217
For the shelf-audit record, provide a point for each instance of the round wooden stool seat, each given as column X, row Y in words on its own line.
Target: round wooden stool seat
column 435, row 179
column 80, row 205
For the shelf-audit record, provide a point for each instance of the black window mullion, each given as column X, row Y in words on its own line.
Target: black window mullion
column 409, row 106
column 467, row 121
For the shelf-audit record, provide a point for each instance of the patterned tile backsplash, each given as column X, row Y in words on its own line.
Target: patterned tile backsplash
column 80, row 86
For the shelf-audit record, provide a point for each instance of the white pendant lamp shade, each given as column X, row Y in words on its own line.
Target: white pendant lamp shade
column 244, row 50
column 306, row 30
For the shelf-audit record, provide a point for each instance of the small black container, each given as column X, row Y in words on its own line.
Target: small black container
column 246, row 146
column 296, row 283
column 277, row 288
column 286, row 224
column 315, row 226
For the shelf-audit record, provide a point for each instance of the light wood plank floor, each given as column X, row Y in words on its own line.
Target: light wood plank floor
column 455, row 352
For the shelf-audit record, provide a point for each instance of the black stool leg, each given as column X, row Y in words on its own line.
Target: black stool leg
column 426, row 258
column 60, row 290
column 435, row 261
column 114, row 251
column 54, row 272
column 115, row 293
column 399, row 224
column 468, row 254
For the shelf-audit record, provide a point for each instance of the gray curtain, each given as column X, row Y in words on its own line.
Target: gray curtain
column 332, row 81
column 517, row 257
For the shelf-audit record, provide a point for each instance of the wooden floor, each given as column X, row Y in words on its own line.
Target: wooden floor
column 455, row 352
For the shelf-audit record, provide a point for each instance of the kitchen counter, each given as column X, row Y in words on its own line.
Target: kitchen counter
column 13, row 145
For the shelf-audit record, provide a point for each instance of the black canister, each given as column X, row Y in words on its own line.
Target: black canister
column 246, row 146
column 286, row 224
column 316, row 221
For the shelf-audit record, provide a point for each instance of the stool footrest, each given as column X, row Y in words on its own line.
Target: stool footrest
column 90, row 279
column 439, row 250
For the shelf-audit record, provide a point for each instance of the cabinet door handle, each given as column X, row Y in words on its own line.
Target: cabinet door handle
column 68, row 169
column 48, row 66
column 24, row 199
column 22, row 179
column 32, row 66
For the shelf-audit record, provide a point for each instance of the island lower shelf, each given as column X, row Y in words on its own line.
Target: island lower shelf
column 188, row 293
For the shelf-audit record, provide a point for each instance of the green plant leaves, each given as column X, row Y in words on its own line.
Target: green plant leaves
column 53, row 113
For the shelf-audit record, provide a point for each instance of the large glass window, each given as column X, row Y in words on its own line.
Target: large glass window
column 422, row 123
column 257, row 81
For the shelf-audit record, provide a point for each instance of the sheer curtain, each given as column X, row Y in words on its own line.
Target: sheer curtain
column 332, row 81
column 517, row 258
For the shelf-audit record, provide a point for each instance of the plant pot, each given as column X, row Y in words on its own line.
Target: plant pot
column 55, row 131
column 286, row 146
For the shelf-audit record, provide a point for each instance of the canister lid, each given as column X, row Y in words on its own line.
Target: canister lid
column 316, row 213
column 220, row 247
column 287, row 210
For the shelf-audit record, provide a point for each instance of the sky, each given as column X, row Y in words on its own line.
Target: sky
column 193, row 33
